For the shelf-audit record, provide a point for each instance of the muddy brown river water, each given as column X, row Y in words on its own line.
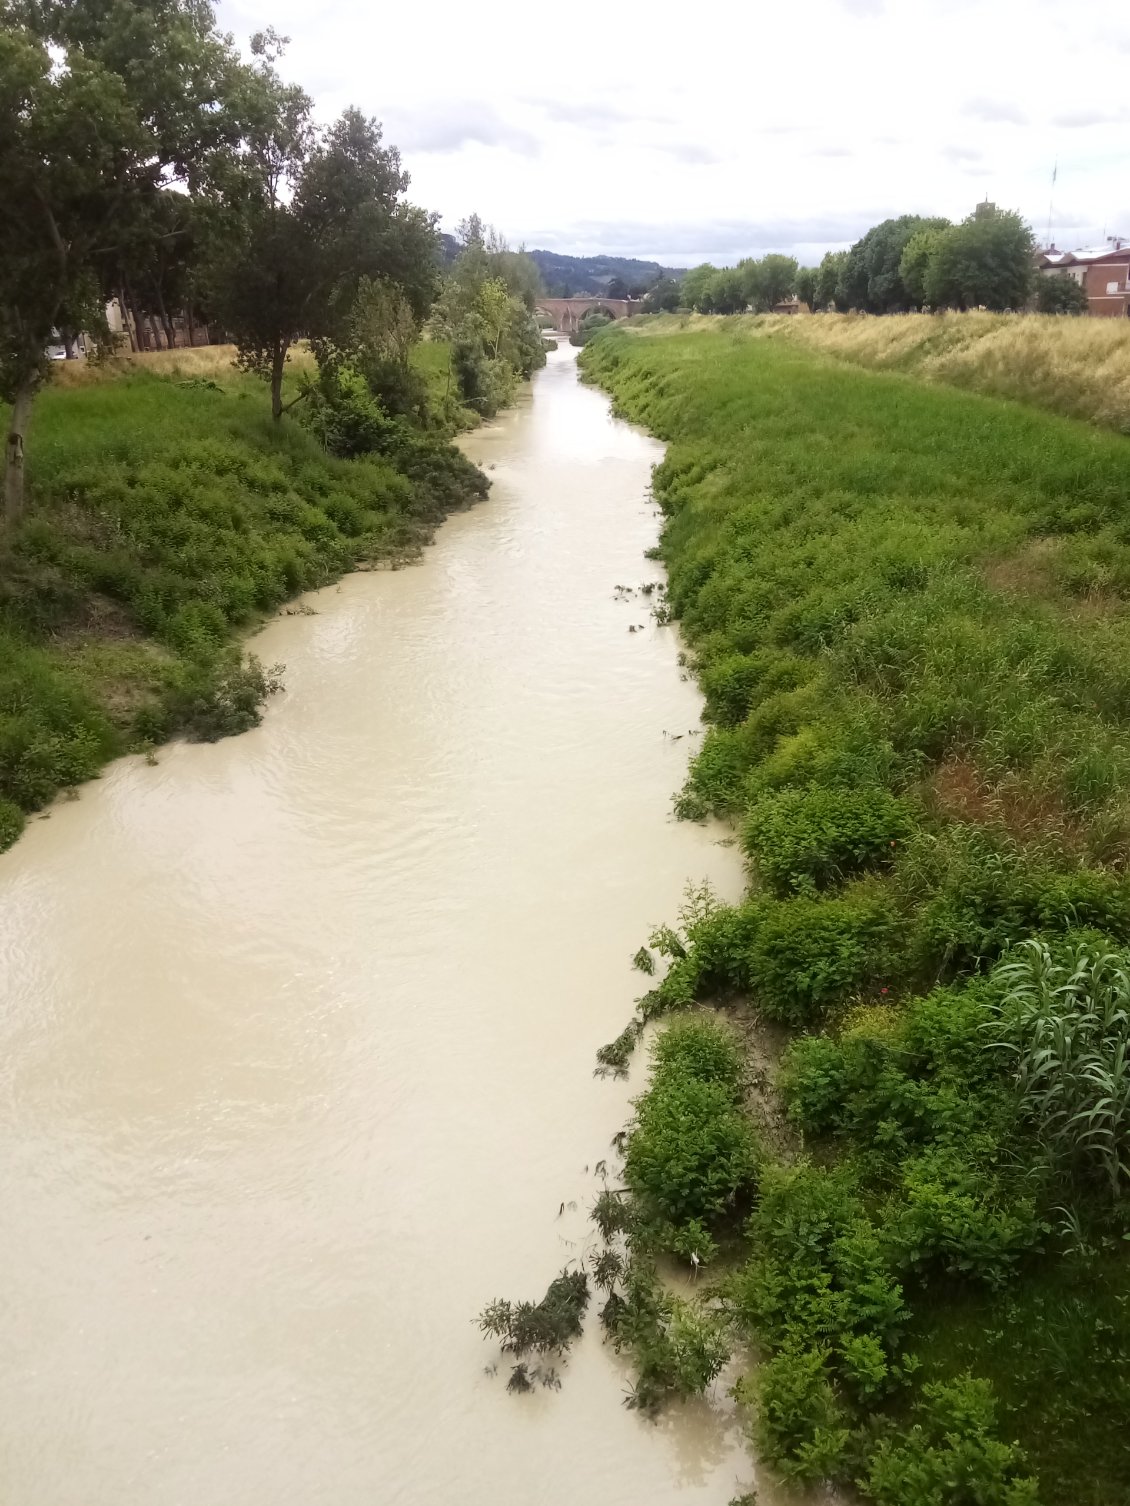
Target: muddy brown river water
column 297, row 1034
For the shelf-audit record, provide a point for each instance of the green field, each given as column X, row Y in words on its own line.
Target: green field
column 907, row 606
column 166, row 515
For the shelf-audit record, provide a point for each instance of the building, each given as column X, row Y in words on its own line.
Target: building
column 1102, row 271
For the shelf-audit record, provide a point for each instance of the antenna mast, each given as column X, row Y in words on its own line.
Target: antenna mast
column 1051, row 201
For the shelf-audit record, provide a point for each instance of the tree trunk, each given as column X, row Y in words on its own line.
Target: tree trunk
column 127, row 321
column 14, row 452
column 138, row 328
column 190, row 326
column 278, row 361
column 166, row 322
column 69, row 344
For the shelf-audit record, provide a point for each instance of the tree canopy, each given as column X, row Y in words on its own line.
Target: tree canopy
column 101, row 107
column 871, row 280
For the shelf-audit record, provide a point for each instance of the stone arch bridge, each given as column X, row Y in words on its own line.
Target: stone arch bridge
column 566, row 312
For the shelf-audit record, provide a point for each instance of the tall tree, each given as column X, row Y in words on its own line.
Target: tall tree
column 1057, row 293
column 829, row 280
column 769, row 281
column 69, row 148
column 985, row 262
column 663, row 297
column 102, row 103
column 871, row 280
column 807, row 279
column 309, row 220
column 914, row 264
column 695, row 285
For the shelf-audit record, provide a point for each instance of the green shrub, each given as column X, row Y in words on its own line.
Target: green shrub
column 690, row 1157
column 951, row 1456
column 810, row 839
column 11, row 823
column 890, row 1083
column 690, row 1154
column 699, row 1048
column 677, row 1347
column 815, row 1082
column 801, row 1424
column 809, row 954
column 735, row 683
column 961, row 1217
column 849, row 748
column 819, row 1271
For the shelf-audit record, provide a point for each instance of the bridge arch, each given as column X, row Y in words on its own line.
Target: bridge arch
column 566, row 313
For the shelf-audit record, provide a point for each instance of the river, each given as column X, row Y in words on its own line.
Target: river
column 297, row 1034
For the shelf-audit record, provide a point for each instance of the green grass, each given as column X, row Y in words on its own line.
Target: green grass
column 1056, row 1345
column 164, row 518
column 908, row 609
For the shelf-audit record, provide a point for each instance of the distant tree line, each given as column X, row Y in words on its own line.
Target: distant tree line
column 908, row 263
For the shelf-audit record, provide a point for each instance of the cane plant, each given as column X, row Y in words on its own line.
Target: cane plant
column 1065, row 1024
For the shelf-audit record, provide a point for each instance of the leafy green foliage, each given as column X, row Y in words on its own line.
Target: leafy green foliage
column 881, row 589
column 11, row 823
column 985, row 262
column 951, row 1456
column 814, row 838
column 802, row 1426
column 486, row 313
column 540, row 1328
column 1060, row 295
column 677, row 1347
column 690, row 1157
column 870, row 278
column 952, row 1211
column 810, row 954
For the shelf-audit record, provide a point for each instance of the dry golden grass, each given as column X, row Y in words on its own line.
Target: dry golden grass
column 1079, row 367
column 214, row 361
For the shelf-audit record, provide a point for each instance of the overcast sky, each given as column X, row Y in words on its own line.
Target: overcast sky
column 724, row 130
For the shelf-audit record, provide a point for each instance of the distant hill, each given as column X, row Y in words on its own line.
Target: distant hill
column 563, row 274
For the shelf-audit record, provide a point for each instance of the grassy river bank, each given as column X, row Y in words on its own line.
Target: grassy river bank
column 167, row 515
column 901, row 1132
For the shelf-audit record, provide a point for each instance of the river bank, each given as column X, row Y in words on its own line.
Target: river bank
column 1077, row 367
column 300, row 1025
column 906, row 606
column 168, row 516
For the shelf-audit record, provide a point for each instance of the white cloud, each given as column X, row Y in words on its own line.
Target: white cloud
column 654, row 138
column 995, row 111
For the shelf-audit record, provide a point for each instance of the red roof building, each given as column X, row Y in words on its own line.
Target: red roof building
column 1103, row 272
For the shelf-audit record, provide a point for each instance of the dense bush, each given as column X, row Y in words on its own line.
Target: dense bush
column 951, row 1456
column 809, row 954
column 11, row 823
column 953, row 1212
column 810, row 839
column 690, row 1158
column 802, row 1425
